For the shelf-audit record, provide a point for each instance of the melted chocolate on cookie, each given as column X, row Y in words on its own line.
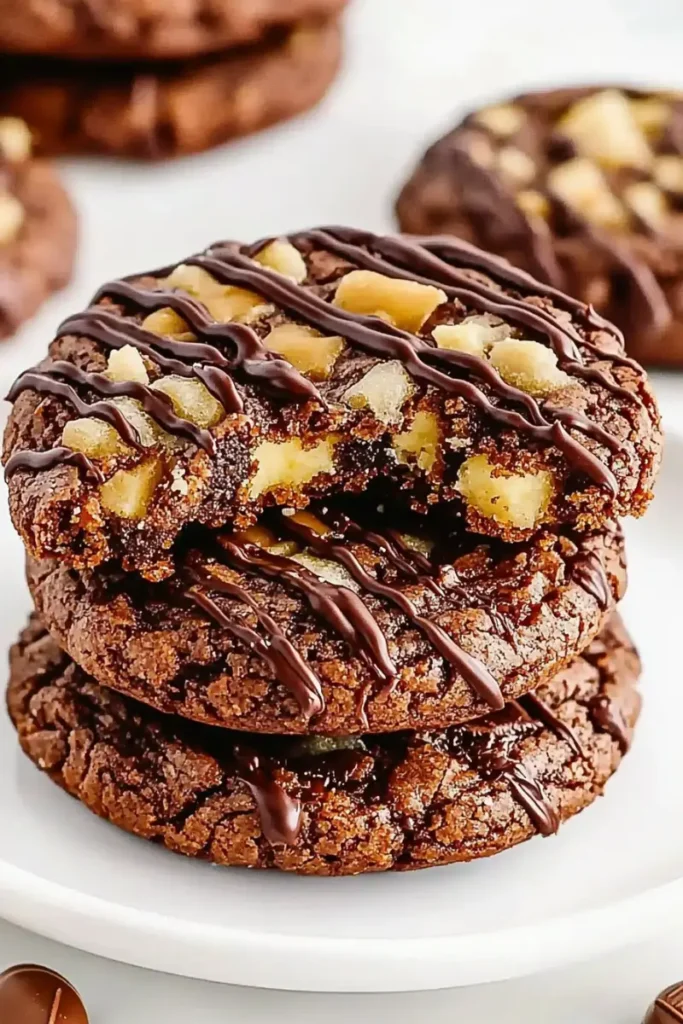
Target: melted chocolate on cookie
column 440, row 262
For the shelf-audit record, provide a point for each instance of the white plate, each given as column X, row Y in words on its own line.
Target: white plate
column 609, row 877
column 612, row 875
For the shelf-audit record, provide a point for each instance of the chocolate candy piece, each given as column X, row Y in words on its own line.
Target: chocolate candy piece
column 667, row 1007
column 37, row 995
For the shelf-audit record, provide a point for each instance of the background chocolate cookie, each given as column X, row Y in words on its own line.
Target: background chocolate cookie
column 583, row 188
column 159, row 110
column 330, row 806
column 37, row 228
column 309, row 366
column 337, row 625
column 133, row 29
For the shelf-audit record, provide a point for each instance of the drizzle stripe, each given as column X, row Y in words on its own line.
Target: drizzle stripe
column 476, row 674
column 383, row 339
column 53, row 457
column 280, row 654
column 155, row 403
column 339, row 605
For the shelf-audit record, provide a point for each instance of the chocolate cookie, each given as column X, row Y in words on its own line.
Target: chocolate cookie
column 154, row 111
column 330, row 806
column 581, row 187
column 37, row 228
column 138, row 29
column 271, row 374
column 335, row 624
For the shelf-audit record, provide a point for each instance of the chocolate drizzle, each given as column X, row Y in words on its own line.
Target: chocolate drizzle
column 375, row 336
column 347, row 612
column 495, row 757
column 476, row 674
column 53, row 457
column 608, row 717
column 344, row 610
column 155, row 403
column 589, row 572
column 278, row 652
column 537, row 709
column 249, row 356
column 227, row 353
column 279, row 812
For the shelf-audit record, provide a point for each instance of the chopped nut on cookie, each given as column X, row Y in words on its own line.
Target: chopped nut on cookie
column 321, row 364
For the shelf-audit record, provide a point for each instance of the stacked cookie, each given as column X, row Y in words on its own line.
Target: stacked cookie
column 581, row 187
column 322, row 540
column 160, row 80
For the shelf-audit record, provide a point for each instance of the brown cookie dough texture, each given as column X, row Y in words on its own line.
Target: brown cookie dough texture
column 581, row 187
column 269, row 375
column 330, row 806
column 321, row 625
column 37, row 228
column 154, row 111
column 146, row 29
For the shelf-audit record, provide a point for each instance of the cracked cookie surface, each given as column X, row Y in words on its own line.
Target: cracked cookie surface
column 159, row 110
column 337, row 623
column 330, row 806
column 269, row 375
column 37, row 228
column 583, row 188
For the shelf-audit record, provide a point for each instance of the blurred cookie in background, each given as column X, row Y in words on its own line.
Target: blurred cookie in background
column 165, row 109
column 146, row 29
column 583, row 188
column 37, row 228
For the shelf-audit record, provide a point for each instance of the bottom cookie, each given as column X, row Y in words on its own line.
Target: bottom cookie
column 330, row 806
column 167, row 109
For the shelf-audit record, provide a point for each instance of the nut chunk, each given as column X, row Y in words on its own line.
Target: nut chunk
column 584, row 188
column 307, row 350
column 95, row 438
column 420, row 441
column 225, row 303
column 518, row 500
column 648, row 203
column 603, row 127
column 384, row 389
column 284, row 258
column 503, row 120
column 191, row 399
column 126, row 364
column 167, row 321
column 529, row 366
column 129, row 492
column 289, row 465
column 474, row 335
column 406, row 304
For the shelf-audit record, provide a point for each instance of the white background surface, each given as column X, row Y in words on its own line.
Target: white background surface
column 412, row 66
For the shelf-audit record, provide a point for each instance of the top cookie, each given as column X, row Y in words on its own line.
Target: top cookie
column 297, row 368
column 583, row 188
column 143, row 29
